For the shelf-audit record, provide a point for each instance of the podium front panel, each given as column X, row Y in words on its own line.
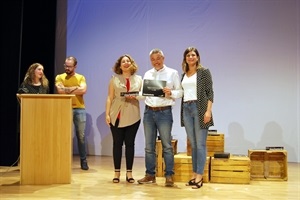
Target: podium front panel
column 46, row 137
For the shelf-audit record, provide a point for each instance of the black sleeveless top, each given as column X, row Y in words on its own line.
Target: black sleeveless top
column 32, row 89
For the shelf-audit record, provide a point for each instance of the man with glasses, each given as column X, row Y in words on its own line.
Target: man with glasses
column 71, row 82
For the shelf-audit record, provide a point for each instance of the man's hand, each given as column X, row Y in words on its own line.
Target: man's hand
column 167, row 91
column 69, row 90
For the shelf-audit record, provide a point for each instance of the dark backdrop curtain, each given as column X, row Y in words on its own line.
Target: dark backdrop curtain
column 28, row 36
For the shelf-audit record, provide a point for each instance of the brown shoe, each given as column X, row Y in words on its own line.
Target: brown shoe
column 147, row 179
column 169, row 181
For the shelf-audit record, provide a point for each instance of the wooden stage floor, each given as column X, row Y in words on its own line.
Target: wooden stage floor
column 96, row 183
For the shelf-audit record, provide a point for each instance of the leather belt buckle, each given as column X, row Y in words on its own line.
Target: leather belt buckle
column 159, row 108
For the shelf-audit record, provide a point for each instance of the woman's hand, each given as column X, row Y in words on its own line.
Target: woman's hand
column 207, row 116
column 129, row 97
column 107, row 119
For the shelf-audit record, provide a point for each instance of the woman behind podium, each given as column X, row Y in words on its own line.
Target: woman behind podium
column 123, row 113
column 35, row 81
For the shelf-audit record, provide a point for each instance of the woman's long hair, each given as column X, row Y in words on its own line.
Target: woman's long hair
column 185, row 66
column 30, row 75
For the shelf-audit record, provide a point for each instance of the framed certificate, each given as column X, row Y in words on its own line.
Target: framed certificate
column 153, row 88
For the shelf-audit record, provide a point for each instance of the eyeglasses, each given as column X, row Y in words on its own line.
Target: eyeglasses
column 67, row 67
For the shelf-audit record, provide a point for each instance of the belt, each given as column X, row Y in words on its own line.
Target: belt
column 158, row 108
column 191, row 101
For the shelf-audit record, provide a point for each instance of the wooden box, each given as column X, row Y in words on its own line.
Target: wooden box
column 236, row 169
column 183, row 168
column 214, row 143
column 268, row 164
column 160, row 166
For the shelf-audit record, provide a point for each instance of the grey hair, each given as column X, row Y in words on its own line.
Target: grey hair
column 154, row 51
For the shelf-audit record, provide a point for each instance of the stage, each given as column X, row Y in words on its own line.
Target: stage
column 96, row 183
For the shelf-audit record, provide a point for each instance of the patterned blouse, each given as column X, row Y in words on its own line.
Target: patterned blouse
column 32, row 89
column 205, row 93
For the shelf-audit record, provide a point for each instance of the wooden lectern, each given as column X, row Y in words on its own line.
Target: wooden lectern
column 46, row 138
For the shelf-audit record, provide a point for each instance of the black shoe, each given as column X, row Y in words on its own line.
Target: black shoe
column 84, row 164
column 117, row 176
column 198, row 184
column 191, row 182
column 116, row 180
column 129, row 180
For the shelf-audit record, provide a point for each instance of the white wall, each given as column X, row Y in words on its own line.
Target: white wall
column 251, row 48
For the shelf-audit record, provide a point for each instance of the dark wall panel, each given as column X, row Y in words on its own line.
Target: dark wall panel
column 28, row 36
column 10, row 62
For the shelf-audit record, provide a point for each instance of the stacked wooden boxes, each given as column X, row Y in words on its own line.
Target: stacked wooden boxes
column 214, row 143
column 235, row 169
column 160, row 165
column 183, row 168
column 268, row 164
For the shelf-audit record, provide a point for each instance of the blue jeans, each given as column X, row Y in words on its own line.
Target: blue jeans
column 162, row 122
column 196, row 135
column 79, row 119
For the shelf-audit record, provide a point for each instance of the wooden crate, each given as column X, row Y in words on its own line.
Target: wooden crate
column 268, row 164
column 160, row 166
column 214, row 143
column 183, row 168
column 236, row 169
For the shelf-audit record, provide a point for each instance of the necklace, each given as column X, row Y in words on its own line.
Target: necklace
column 36, row 83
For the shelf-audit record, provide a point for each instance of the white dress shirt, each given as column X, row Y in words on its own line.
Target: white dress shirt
column 172, row 78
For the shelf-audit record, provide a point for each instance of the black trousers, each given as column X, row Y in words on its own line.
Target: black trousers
column 125, row 135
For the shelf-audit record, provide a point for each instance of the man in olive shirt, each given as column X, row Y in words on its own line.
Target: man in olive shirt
column 71, row 82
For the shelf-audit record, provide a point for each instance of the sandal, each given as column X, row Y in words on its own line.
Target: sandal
column 191, row 182
column 116, row 179
column 129, row 180
column 198, row 184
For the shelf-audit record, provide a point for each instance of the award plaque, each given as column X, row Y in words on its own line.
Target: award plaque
column 133, row 93
column 153, row 88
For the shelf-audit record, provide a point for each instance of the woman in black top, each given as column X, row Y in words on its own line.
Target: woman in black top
column 35, row 81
